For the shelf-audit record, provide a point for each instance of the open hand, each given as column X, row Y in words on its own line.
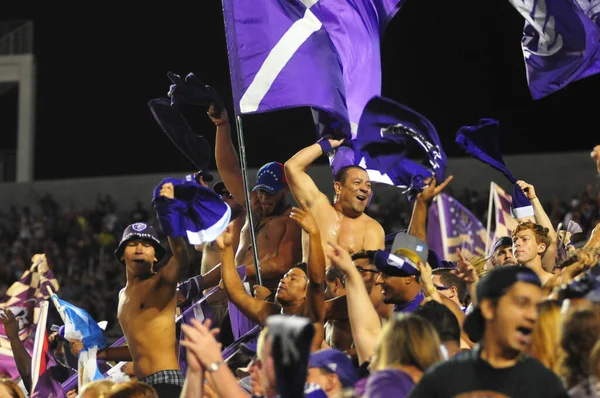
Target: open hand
column 11, row 325
column 305, row 219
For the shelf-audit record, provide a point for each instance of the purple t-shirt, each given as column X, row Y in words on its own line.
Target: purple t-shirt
column 388, row 383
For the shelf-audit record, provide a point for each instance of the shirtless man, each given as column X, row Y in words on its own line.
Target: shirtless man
column 146, row 310
column 344, row 222
column 277, row 236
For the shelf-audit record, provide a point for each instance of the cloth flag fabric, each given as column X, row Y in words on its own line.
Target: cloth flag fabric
column 23, row 298
column 79, row 325
column 450, row 225
column 560, row 42
column 387, row 130
column 276, row 46
column 499, row 209
column 199, row 213
column 483, row 143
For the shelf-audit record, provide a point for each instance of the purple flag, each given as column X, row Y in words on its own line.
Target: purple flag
column 561, row 42
column 280, row 57
column 450, row 225
column 322, row 54
column 387, row 130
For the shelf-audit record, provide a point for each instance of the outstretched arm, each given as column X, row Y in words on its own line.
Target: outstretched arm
column 303, row 188
column 255, row 309
column 226, row 157
column 418, row 220
column 548, row 261
column 20, row 354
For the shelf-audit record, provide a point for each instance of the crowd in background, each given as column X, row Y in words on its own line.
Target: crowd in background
column 79, row 243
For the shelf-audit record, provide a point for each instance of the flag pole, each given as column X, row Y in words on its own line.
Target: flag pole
column 244, row 169
column 489, row 217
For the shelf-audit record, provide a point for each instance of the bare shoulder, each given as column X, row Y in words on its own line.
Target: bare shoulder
column 373, row 225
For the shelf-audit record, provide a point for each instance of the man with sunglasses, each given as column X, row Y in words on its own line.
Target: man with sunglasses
column 450, row 286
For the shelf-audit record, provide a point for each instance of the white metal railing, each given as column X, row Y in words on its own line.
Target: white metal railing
column 16, row 37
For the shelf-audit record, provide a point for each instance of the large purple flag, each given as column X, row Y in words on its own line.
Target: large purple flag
column 292, row 53
column 561, row 42
column 450, row 225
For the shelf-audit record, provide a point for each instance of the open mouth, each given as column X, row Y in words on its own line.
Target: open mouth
column 524, row 334
column 361, row 198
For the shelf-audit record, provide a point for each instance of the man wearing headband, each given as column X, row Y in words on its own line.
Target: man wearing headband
column 146, row 310
column 277, row 236
column 344, row 221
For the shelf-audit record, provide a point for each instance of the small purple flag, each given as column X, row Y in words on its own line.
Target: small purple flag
column 561, row 42
column 450, row 225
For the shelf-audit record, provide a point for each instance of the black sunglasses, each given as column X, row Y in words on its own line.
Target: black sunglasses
column 442, row 287
column 226, row 194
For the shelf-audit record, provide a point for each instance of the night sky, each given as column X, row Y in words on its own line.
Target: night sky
column 453, row 62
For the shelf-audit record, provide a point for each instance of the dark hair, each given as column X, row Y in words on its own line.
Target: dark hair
column 449, row 279
column 368, row 254
column 340, row 176
column 303, row 267
column 443, row 319
column 333, row 272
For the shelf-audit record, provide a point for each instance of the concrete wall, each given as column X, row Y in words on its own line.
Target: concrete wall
column 560, row 174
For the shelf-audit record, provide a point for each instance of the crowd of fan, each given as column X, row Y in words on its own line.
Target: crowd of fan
column 79, row 242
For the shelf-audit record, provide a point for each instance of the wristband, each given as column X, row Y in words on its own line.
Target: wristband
column 325, row 145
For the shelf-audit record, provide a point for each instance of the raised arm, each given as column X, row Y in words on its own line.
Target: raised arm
column 315, row 294
column 418, row 220
column 20, row 354
column 303, row 188
column 548, row 261
column 255, row 309
column 167, row 208
column 364, row 321
column 226, row 157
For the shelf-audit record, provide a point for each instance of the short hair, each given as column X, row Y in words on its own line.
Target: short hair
column 303, row 267
column 133, row 389
column 443, row 319
column 333, row 272
column 342, row 173
column 368, row 254
column 449, row 279
column 541, row 233
column 97, row 388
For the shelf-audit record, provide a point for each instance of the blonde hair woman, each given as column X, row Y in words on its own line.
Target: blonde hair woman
column 96, row 389
column 407, row 346
column 545, row 338
column 10, row 389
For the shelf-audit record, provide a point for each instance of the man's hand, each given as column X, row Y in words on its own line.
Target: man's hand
column 167, row 190
column 465, row 269
column 76, row 347
column 200, row 340
column 596, row 157
column 219, row 118
column 179, row 298
column 11, row 325
column 431, row 190
column 305, row 220
column 225, row 239
column 192, row 91
column 527, row 189
column 261, row 292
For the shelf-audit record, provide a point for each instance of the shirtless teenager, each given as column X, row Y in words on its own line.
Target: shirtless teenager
column 277, row 236
column 146, row 310
column 343, row 222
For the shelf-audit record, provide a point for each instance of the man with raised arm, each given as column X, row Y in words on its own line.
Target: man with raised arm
column 300, row 292
column 278, row 238
column 146, row 310
column 344, row 221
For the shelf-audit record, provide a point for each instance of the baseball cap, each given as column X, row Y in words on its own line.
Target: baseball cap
column 335, row 361
column 270, row 178
column 501, row 242
column 411, row 247
column 140, row 230
column 494, row 284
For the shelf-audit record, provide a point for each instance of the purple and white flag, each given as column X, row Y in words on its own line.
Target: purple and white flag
column 387, row 130
column 450, row 225
column 321, row 54
column 560, row 43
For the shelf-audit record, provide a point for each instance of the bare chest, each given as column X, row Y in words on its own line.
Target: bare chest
column 350, row 233
column 267, row 231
